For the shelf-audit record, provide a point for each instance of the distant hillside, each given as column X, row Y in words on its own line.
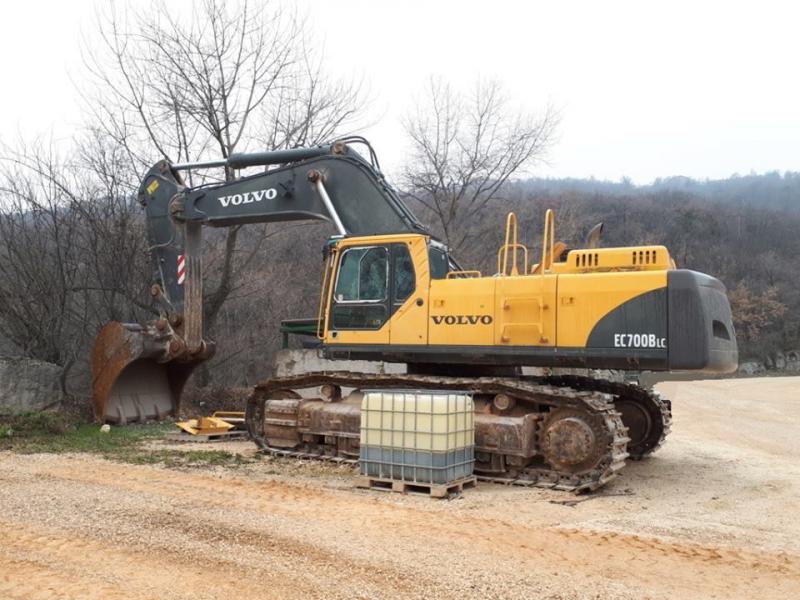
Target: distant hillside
column 770, row 190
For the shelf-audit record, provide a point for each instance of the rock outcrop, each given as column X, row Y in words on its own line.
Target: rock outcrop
column 28, row 385
column 780, row 362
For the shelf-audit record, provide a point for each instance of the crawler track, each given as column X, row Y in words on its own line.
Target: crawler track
column 650, row 414
column 539, row 400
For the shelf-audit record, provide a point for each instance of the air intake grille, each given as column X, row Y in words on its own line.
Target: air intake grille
column 644, row 257
column 587, row 259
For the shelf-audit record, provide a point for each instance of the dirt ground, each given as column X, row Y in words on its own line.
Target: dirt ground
column 714, row 514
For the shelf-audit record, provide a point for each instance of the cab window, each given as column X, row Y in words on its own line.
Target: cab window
column 363, row 275
column 438, row 263
column 403, row 271
column 361, row 289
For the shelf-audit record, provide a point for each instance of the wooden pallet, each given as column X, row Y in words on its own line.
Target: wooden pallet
column 223, row 436
column 434, row 490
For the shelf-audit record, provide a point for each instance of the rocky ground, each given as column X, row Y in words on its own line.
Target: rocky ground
column 714, row 514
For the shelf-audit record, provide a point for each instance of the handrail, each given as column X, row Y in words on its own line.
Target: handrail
column 548, row 239
column 324, row 296
column 502, row 263
column 515, row 248
column 457, row 274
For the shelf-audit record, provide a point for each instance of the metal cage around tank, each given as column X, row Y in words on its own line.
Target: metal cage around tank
column 417, row 436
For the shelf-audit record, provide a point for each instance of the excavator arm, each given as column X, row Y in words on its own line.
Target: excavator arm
column 139, row 370
column 331, row 182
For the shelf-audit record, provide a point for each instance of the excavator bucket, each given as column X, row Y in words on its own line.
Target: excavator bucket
column 133, row 378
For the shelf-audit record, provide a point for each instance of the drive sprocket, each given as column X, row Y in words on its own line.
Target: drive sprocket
column 573, row 440
column 645, row 413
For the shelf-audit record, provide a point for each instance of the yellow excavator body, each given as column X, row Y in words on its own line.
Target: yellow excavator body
column 392, row 292
column 558, row 307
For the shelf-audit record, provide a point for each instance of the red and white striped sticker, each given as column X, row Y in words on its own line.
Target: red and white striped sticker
column 181, row 269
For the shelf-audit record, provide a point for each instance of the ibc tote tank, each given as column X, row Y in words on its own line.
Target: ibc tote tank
column 418, row 436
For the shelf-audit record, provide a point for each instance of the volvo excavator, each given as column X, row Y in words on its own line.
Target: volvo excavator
column 392, row 292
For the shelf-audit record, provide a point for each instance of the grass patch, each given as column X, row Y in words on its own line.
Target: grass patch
column 53, row 433
column 40, row 422
column 56, row 433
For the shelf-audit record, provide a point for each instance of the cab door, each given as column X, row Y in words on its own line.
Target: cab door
column 380, row 295
column 361, row 303
column 410, row 281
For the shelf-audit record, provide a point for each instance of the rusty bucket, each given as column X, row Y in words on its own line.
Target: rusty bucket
column 136, row 375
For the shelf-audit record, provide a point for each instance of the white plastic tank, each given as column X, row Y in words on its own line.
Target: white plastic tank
column 419, row 436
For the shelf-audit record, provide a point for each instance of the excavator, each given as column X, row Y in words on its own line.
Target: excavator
column 392, row 292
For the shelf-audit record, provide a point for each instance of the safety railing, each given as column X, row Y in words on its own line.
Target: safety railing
column 463, row 274
column 324, row 295
column 548, row 241
column 513, row 247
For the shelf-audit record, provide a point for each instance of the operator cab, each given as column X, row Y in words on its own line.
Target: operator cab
column 377, row 275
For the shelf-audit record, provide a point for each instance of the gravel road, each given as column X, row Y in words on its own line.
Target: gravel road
column 714, row 514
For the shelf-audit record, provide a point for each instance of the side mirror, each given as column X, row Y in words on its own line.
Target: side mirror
column 593, row 237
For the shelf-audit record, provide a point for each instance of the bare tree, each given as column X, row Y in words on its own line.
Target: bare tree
column 40, row 264
column 71, row 251
column 228, row 77
column 465, row 148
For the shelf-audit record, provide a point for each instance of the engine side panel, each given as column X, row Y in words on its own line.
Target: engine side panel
column 596, row 309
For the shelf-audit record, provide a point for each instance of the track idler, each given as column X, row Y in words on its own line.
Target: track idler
column 138, row 371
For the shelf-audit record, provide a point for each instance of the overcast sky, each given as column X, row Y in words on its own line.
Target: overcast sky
column 646, row 89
